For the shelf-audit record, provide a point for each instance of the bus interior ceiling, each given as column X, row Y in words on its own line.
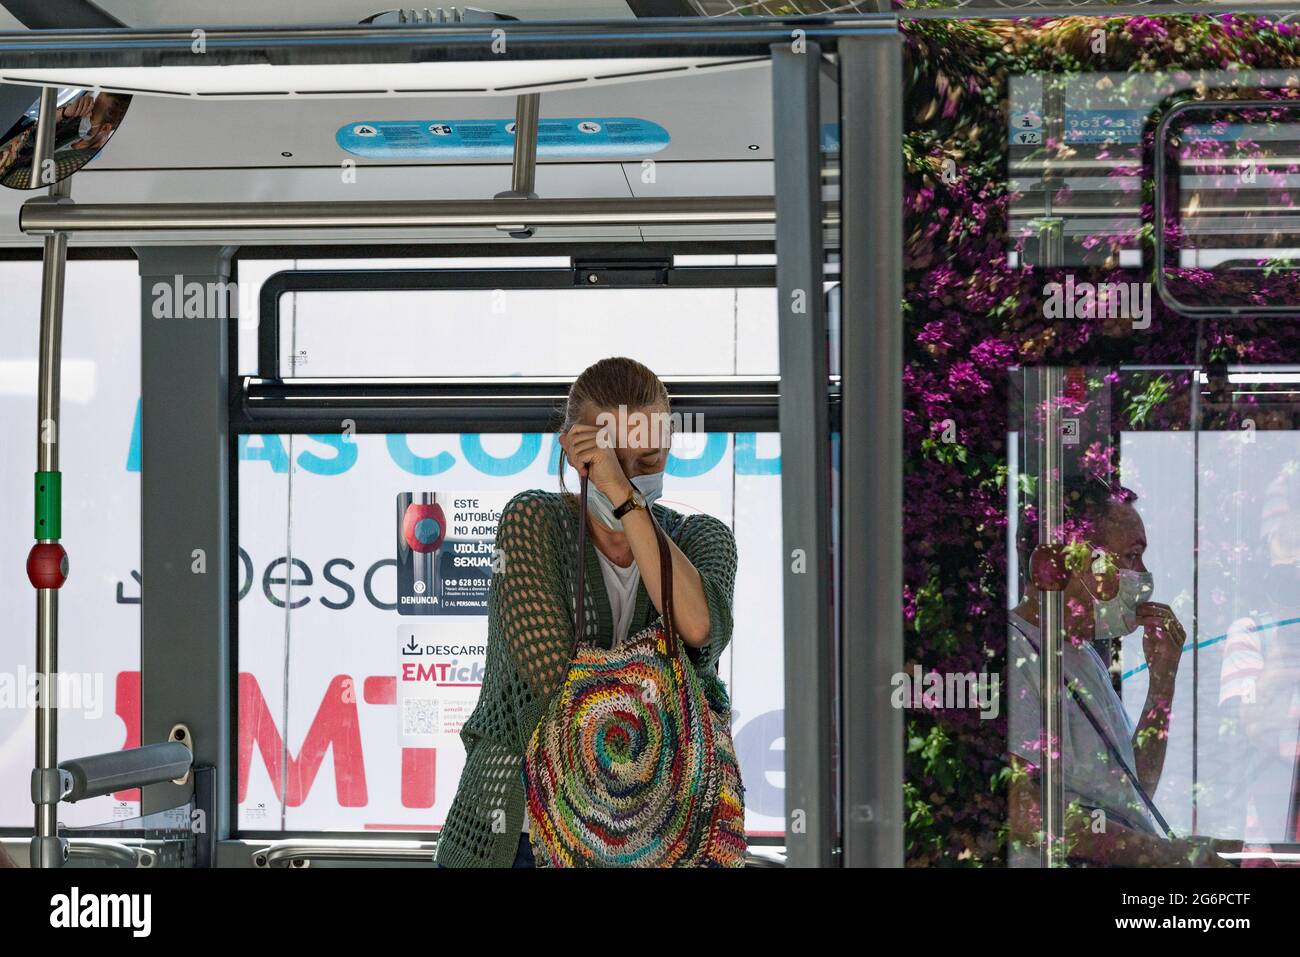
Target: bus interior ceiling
column 179, row 148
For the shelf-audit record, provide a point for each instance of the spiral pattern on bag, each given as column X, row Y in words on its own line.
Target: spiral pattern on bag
column 622, row 770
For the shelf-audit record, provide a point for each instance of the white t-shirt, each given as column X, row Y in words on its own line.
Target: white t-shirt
column 621, row 586
column 1089, row 771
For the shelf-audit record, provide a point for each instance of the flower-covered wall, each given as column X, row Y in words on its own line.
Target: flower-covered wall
column 976, row 306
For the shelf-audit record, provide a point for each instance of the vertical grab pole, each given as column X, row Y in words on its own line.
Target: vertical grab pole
column 871, row 482
column 47, row 563
column 1051, row 615
column 810, row 756
column 523, row 173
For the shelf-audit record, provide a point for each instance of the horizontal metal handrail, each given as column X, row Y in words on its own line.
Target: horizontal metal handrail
column 111, row 852
column 287, row 853
column 43, row 217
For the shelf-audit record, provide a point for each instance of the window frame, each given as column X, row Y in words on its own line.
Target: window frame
column 1164, row 253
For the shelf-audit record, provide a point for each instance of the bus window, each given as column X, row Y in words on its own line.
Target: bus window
column 99, row 655
column 332, row 736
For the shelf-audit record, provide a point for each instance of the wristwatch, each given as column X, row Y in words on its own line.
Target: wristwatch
column 635, row 500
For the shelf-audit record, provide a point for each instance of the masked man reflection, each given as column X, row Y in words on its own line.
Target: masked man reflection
column 1110, row 768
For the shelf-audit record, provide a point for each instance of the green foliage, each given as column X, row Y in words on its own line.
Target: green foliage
column 945, row 452
column 1141, row 405
column 931, row 616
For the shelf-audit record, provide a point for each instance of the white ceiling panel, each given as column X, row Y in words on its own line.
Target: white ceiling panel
column 460, row 78
column 723, row 117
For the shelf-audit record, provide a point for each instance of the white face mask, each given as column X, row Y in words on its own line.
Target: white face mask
column 651, row 486
column 1118, row 617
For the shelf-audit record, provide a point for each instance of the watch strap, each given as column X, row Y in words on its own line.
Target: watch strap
column 627, row 506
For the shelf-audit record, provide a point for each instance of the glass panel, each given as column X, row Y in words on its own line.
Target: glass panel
column 527, row 332
column 1182, row 704
column 253, row 273
column 1109, row 200
column 326, row 740
column 1234, row 232
column 99, row 606
column 1078, row 148
column 1248, row 598
column 163, row 839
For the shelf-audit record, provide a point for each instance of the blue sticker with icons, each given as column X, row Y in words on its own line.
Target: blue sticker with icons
column 602, row 136
column 1026, row 128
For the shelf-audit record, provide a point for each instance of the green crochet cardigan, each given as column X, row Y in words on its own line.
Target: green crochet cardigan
column 530, row 634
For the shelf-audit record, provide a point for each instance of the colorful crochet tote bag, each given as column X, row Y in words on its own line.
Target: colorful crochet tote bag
column 632, row 763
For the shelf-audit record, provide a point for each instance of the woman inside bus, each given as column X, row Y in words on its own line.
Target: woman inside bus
column 531, row 597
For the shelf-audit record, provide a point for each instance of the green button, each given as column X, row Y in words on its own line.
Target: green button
column 49, row 497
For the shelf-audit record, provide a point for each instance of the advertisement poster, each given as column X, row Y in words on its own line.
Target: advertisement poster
column 444, row 551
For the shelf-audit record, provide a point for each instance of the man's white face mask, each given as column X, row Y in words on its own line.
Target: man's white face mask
column 1118, row 617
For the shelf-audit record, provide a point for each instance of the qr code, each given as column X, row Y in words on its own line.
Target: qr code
column 420, row 716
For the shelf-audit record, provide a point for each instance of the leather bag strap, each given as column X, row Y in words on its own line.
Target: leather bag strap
column 665, row 573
